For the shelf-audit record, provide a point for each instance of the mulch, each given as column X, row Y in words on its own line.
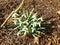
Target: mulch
column 47, row 8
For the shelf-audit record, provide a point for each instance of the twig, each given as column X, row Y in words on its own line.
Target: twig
column 12, row 13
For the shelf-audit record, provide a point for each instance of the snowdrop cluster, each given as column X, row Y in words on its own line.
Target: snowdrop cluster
column 28, row 23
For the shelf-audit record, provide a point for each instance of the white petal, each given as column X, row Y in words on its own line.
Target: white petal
column 14, row 15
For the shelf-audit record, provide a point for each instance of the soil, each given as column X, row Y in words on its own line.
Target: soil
column 47, row 8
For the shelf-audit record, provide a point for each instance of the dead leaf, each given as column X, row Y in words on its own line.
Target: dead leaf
column 9, row 21
column 58, row 12
column 49, row 43
column 58, row 41
column 36, row 40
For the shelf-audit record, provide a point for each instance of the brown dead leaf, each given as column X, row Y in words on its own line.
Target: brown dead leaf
column 58, row 12
column 58, row 41
column 49, row 43
column 9, row 21
column 36, row 40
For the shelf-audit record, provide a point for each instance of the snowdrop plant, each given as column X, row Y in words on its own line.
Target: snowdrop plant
column 28, row 23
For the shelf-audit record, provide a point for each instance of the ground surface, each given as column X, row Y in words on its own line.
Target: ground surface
column 47, row 8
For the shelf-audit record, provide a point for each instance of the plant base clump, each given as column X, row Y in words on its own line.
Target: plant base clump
column 27, row 23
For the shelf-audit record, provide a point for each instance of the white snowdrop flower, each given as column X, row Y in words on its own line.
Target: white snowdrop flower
column 39, row 23
column 33, row 29
column 33, row 19
column 14, row 15
column 15, row 22
column 25, row 22
column 25, row 28
column 23, row 15
column 34, row 24
column 40, row 18
column 25, row 32
column 20, row 22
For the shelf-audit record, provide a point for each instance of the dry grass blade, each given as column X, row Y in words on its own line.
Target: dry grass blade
column 12, row 13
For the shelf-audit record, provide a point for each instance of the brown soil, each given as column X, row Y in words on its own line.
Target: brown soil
column 47, row 8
